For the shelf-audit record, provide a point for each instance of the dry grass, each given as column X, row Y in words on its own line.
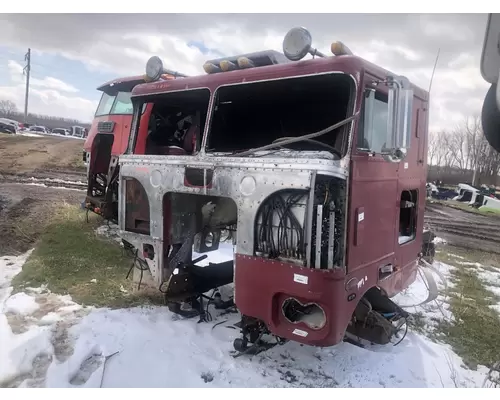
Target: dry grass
column 71, row 259
column 474, row 332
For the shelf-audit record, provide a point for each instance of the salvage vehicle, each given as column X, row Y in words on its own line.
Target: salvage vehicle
column 9, row 126
column 61, row 131
column 318, row 167
column 113, row 117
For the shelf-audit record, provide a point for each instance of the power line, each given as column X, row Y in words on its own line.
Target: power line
column 26, row 71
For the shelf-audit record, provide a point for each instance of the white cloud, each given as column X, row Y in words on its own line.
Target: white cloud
column 404, row 44
column 47, row 96
column 16, row 75
column 54, row 83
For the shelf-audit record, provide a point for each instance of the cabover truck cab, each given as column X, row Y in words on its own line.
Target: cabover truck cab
column 108, row 138
column 319, row 167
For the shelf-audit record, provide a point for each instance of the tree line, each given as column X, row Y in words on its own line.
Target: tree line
column 8, row 109
column 463, row 153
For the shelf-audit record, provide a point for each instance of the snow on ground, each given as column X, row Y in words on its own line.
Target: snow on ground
column 490, row 278
column 62, row 345
column 433, row 311
column 52, row 187
column 42, row 134
column 30, row 134
column 56, row 180
column 110, row 231
column 438, row 240
column 20, row 303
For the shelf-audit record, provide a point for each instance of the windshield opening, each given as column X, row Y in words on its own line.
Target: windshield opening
column 115, row 104
column 248, row 116
column 177, row 122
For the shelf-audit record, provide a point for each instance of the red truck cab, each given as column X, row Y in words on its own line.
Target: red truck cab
column 108, row 138
column 319, row 168
column 114, row 114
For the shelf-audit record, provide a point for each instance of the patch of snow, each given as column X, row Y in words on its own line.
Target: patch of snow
column 69, row 309
column 29, row 134
column 9, row 268
column 456, row 256
column 56, row 180
column 51, row 187
column 438, row 240
column 110, row 231
column 468, row 263
column 434, row 311
column 493, row 289
column 50, row 318
column 224, row 253
column 20, row 303
column 488, row 277
column 17, row 352
column 158, row 349
column 183, row 353
column 496, row 307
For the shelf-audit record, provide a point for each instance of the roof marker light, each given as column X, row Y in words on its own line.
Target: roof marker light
column 245, row 62
column 211, row 68
column 226, row 65
column 340, row 49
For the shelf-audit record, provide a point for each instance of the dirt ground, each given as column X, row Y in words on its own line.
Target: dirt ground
column 24, row 212
column 41, row 156
column 464, row 229
column 27, row 166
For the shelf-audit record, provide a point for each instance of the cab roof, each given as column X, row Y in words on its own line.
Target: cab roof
column 348, row 64
column 127, row 79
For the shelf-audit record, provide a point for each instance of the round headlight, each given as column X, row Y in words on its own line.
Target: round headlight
column 154, row 68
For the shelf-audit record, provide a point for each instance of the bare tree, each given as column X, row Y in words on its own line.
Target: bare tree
column 433, row 148
column 7, row 107
column 464, row 152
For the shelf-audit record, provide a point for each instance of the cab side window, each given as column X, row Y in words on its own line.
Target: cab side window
column 372, row 132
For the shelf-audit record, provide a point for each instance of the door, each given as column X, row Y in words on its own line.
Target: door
column 373, row 194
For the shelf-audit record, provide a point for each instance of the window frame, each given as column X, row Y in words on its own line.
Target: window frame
column 380, row 96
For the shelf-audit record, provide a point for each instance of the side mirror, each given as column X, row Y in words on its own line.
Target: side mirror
column 490, row 70
column 399, row 119
column 490, row 117
column 490, row 57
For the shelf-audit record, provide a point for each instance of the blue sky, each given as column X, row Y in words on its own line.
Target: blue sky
column 72, row 72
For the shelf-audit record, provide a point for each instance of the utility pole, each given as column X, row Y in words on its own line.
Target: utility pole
column 26, row 71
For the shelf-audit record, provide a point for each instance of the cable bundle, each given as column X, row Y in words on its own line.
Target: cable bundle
column 287, row 238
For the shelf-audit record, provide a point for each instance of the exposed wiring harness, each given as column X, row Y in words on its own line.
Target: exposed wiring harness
column 141, row 265
column 289, row 238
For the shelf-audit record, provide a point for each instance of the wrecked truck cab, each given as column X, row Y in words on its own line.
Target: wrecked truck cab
column 107, row 139
column 318, row 165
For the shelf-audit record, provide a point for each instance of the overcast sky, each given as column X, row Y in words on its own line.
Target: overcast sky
column 72, row 54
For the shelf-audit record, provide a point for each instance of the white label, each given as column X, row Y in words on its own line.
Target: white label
column 300, row 332
column 406, row 165
column 361, row 216
column 300, row 279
